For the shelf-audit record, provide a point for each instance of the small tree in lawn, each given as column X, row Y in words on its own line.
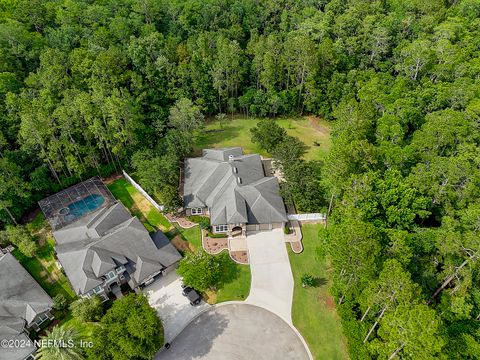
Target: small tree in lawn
column 268, row 134
column 61, row 334
column 200, row 270
column 87, row 309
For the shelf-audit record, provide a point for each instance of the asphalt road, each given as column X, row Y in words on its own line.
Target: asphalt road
column 236, row 332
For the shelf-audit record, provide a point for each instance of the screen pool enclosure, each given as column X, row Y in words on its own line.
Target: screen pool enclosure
column 71, row 204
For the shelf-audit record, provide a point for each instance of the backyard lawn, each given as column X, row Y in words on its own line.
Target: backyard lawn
column 43, row 267
column 236, row 132
column 313, row 310
column 138, row 205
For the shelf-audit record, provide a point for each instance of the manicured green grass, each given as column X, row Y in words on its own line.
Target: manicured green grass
column 237, row 289
column 43, row 267
column 313, row 309
column 193, row 235
column 139, row 206
column 236, row 132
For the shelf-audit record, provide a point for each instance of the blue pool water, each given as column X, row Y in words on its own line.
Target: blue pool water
column 84, row 206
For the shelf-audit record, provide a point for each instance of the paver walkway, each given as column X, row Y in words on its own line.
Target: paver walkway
column 272, row 279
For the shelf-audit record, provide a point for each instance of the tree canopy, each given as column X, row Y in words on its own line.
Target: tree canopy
column 88, row 87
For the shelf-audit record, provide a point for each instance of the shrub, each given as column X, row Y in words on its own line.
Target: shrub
column 308, row 280
column 59, row 302
column 203, row 221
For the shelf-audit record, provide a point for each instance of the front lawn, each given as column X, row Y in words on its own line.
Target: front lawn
column 236, row 280
column 313, row 309
column 239, row 288
column 315, row 133
column 139, row 206
column 43, row 267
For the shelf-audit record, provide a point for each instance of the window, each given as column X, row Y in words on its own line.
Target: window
column 197, row 211
column 221, row 228
column 120, row 269
column 98, row 289
column 41, row 318
column 110, row 275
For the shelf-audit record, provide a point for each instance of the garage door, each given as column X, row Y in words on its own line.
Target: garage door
column 277, row 225
column 264, row 226
column 251, row 227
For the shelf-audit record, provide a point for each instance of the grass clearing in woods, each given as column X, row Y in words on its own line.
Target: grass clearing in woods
column 314, row 132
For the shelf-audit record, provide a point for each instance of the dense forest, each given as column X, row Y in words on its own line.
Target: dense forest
column 87, row 87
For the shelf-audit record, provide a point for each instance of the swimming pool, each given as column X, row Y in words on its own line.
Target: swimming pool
column 81, row 207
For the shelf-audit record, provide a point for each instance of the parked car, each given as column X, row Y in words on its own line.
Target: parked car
column 194, row 297
column 186, row 290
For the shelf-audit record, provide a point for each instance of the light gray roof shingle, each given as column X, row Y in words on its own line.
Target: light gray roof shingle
column 104, row 240
column 234, row 188
column 21, row 300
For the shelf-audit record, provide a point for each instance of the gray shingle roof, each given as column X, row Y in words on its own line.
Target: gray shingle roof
column 21, row 300
column 233, row 186
column 104, row 240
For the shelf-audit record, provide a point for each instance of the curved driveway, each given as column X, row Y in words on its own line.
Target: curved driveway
column 236, row 332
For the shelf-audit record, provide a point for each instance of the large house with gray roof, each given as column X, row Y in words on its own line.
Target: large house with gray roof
column 233, row 190
column 104, row 246
column 24, row 306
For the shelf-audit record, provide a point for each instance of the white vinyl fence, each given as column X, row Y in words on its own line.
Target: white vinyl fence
column 143, row 192
column 307, row 217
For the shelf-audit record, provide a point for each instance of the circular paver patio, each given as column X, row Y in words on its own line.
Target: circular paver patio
column 236, row 331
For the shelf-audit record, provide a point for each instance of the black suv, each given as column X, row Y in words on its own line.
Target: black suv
column 192, row 295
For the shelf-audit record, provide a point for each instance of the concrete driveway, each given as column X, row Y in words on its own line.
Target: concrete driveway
column 272, row 279
column 236, row 332
column 165, row 296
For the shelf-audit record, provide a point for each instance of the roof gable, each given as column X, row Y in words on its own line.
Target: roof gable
column 85, row 261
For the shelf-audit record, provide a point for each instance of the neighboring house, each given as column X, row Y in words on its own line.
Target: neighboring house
column 24, row 306
column 233, row 190
column 104, row 246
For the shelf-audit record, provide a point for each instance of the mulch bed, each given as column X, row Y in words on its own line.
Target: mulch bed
column 214, row 245
column 240, row 257
column 296, row 246
column 181, row 221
